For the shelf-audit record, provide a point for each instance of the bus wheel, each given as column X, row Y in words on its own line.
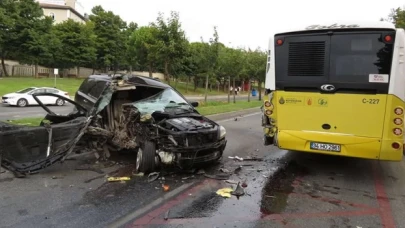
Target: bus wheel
column 268, row 140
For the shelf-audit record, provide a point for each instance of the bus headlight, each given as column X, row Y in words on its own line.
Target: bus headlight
column 222, row 132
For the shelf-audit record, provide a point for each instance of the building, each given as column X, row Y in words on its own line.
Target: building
column 62, row 10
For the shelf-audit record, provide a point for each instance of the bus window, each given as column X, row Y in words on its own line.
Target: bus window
column 355, row 56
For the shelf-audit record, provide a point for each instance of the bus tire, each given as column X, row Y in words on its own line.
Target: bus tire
column 268, row 140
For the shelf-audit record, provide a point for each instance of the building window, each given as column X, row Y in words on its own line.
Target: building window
column 52, row 15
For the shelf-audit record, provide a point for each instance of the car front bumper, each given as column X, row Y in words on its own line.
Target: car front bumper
column 187, row 157
column 9, row 101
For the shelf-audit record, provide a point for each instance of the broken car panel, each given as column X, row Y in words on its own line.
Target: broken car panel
column 28, row 149
column 114, row 113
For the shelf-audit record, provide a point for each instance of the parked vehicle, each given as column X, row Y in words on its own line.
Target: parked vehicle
column 111, row 114
column 25, row 97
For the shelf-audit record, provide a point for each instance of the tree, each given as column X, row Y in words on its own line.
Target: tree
column 213, row 53
column 256, row 67
column 144, row 47
column 130, row 57
column 231, row 63
column 77, row 42
column 35, row 49
column 111, row 41
column 397, row 17
column 18, row 19
column 189, row 64
column 199, row 64
column 172, row 42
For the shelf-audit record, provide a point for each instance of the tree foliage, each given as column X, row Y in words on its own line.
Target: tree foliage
column 144, row 47
column 172, row 43
column 107, row 43
column 19, row 20
column 397, row 17
column 110, row 38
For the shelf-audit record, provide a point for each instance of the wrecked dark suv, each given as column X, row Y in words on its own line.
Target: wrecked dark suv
column 111, row 114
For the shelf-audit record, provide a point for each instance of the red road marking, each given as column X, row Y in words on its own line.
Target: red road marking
column 150, row 216
column 387, row 219
column 275, row 217
column 384, row 210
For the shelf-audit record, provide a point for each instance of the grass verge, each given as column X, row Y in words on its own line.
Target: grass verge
column 209, row 108
column 26, row 121
column 70, row 85
column 216, row 107
column 10, row 85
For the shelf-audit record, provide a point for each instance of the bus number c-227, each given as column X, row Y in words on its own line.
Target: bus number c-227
column 370, row 101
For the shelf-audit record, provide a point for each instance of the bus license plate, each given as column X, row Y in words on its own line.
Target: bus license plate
column 325, row 147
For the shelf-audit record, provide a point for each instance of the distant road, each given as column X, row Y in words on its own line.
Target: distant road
column 8, row 113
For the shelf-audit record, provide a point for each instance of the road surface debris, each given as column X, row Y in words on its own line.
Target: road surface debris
column 238, row 191
column 153, row 176
column 225, row 192
column 115, row 179
column 165, row 187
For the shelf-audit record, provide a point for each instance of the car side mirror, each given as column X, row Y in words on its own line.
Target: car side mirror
column 194, row 104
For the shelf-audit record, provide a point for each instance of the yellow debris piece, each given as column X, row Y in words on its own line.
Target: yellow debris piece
column 111, row 179
column 225, row 192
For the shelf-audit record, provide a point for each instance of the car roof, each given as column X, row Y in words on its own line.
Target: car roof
column 136, row 79
column 48, row 88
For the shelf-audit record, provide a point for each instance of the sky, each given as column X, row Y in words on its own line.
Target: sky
column 247, row 24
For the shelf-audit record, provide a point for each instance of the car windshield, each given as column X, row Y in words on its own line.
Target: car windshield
column 164, row 100
column 25, row 90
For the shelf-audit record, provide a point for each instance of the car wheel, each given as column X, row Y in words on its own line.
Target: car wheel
column 60, row 102
column 22, row 103
column 145, row 159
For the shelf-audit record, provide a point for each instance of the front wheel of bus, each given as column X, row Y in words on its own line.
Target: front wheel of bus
column 268, row 140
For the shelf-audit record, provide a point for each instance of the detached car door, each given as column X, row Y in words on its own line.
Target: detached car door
column 29, row 149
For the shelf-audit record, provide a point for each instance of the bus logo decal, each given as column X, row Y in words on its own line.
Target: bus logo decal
column 322, row 102
column 328, row 88
column 281, row 101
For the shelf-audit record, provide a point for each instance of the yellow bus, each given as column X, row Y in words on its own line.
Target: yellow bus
column 337, row 89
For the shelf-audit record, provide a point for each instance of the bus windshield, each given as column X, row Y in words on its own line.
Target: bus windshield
column 351, row 61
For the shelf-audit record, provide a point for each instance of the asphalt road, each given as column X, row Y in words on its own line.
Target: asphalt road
column 287, row 189
column 9, row 113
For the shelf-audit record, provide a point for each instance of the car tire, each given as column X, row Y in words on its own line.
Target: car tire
column 60, row 102
column 145, row 159
column 22, row 102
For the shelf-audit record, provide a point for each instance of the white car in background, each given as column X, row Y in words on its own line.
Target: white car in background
column 24, row 97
